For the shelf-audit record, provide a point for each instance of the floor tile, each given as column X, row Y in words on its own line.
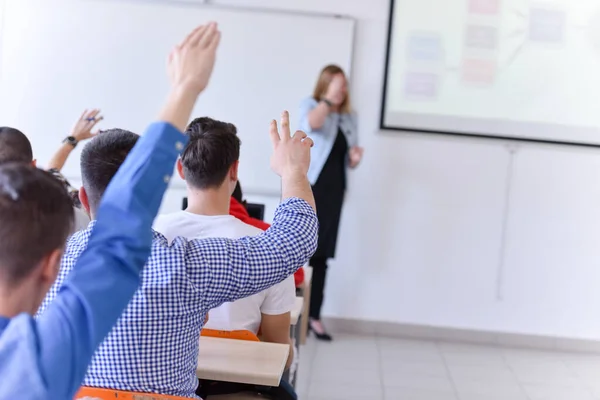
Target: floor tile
column 344, row 392
column 393, row 378
column 473, row 389
column 396, row 393
column 554, row 392
column 549, row 372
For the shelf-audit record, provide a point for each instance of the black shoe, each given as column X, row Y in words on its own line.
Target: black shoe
column 320, row 336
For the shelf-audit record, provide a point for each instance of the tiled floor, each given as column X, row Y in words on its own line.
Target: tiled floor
column 375, row 368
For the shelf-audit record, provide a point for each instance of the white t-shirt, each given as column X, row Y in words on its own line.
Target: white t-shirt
column 243, row 314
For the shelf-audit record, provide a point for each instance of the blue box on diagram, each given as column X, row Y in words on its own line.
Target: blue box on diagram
column 426, row 62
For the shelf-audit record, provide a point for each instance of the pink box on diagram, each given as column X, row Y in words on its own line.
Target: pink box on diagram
column 487, row 7
column 478, row 71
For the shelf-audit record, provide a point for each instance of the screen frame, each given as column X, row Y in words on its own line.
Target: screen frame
column 384, row 127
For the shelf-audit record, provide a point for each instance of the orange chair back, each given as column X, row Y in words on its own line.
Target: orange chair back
column 238, row 335
column 109, row 394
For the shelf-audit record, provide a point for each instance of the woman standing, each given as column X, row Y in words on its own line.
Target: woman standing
column 327, row 118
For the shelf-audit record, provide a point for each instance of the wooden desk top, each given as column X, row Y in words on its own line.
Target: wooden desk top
column 297, row 310
column 241, row 361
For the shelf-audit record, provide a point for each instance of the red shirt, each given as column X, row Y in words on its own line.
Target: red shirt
column 239, row 211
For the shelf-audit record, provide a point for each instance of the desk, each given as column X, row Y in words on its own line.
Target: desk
column 297, row 310
column 306, row 294
column 241, row 361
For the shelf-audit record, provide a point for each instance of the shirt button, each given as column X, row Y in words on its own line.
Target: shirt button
column 179, row 146
column 166, row 178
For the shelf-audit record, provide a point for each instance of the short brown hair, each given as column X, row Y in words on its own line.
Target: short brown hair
column 37, row 216
column 100, row 160
column 213, row 148
column 323, row 82
column 14, row 146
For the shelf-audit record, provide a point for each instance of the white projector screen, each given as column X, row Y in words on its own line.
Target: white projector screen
column 527, row 70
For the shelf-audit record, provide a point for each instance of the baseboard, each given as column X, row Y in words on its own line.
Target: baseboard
column 423, row 332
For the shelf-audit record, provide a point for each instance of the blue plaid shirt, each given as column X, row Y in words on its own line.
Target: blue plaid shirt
column 154, row 346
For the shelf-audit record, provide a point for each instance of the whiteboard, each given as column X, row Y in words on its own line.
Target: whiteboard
column 58, row 57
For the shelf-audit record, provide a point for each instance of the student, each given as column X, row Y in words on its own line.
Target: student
column 154, row 345
column 48, row 358
column 209, row 166
column 15, row 147
column 237, row 208
column 82, row 130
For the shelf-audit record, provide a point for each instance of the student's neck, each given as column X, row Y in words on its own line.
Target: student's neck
column 208, row 202
column 16, row 301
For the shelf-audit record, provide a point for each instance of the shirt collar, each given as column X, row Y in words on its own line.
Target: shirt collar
column 4, row 323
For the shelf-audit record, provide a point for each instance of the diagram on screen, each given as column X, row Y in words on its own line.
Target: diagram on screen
column 535, row 24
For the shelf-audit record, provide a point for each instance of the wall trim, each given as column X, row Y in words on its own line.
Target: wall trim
column 471, row 336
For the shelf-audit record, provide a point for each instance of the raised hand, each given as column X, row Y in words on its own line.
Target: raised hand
column 190, row 67
column 336, row 90
column 82, row 129
column 291, row 154
column 191, row 62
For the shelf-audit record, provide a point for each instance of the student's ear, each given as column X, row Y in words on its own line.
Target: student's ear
column 233, row 171
column 34, row 163
column 180, row 169
column 85, row 202
column 50, row 265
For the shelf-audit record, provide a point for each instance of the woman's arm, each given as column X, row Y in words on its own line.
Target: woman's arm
column 355, row 152
column 81, row 131
column 318, row 115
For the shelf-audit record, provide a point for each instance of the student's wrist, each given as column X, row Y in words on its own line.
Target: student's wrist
column 293, row 176
column 179, row 106
column 184, row 91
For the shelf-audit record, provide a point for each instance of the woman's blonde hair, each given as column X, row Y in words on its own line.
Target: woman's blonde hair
column 323, row 82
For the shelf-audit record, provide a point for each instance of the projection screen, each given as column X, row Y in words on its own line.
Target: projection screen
column 517, row 69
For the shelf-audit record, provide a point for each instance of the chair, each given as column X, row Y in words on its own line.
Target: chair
column 237, row 335
column 256, row 210
column 91, row 393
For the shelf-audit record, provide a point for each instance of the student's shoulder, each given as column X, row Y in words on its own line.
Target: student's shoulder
column 279, row 298
column 242, row 229
column 20, row 364
column 163, row 221
column 77, row 243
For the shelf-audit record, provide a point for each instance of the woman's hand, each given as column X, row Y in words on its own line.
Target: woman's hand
column 83, row 127
column 355, row 154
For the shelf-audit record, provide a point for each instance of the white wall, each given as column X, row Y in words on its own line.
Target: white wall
column 421, row 238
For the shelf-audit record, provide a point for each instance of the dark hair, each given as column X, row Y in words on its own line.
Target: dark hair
column 101, row 159
column 37, row 217
column 14, row 146
column 210, row 153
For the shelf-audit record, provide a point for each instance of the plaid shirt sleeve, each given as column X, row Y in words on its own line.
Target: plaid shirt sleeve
column 225, row 270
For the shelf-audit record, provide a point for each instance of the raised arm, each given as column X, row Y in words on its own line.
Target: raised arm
column 82, row 130
column 226, row 270
column 107, row 274
column 316, row 116
column 316, row 113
